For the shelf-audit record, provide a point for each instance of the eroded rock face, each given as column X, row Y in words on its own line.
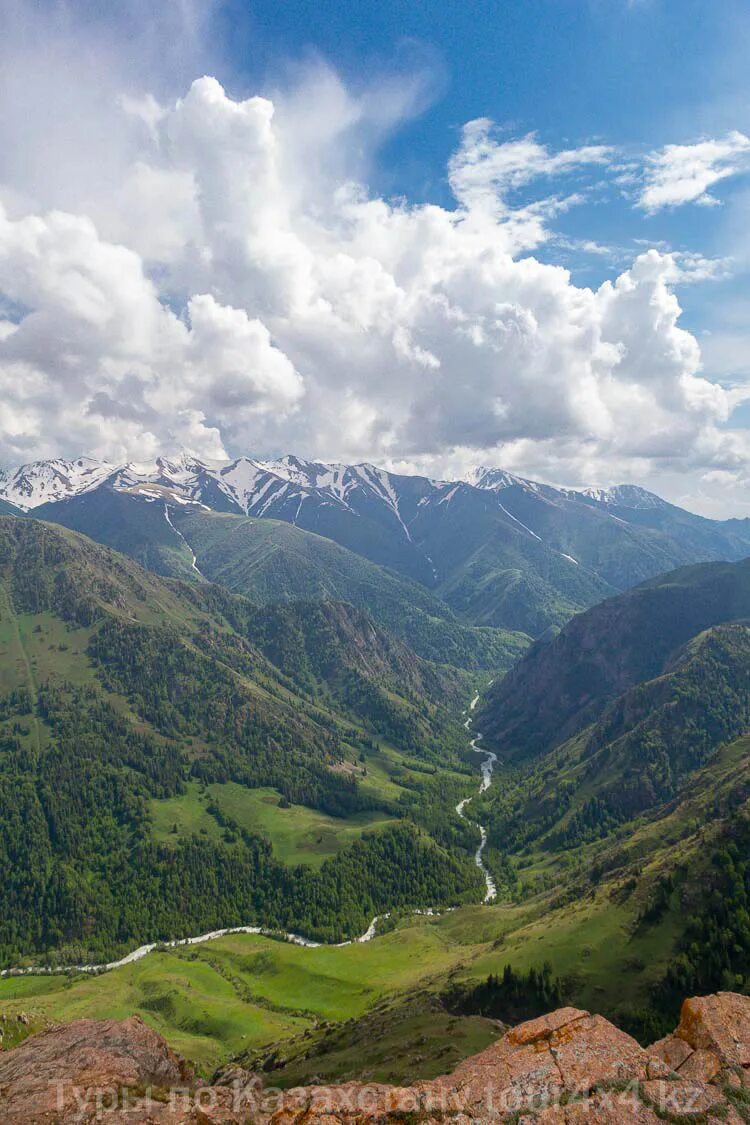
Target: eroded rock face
column 566, row 1067
column 48, row 1076
column 711, row 1043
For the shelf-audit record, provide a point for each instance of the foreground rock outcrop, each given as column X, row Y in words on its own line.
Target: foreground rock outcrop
column 51, row 1076
column 566, row 1067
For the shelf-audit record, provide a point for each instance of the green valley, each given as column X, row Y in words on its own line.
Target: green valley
column 300, row 1013
column 297, row 834
column 294, row 765
column 123, row 693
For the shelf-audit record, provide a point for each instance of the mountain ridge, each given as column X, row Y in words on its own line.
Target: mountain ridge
column 274, row 561
column 45, row 481
column 562, row 685
column 498, row 550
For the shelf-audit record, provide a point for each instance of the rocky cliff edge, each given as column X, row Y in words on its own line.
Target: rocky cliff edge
column 568, row 1066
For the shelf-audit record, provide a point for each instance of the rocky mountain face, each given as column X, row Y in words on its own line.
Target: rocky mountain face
column 568, row 1066
column 497, row 549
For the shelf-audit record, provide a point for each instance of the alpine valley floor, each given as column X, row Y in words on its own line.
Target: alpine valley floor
column 283, row 1005
column 617, row 842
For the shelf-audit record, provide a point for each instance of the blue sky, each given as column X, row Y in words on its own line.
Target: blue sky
column 344, row 241
column 633, row 73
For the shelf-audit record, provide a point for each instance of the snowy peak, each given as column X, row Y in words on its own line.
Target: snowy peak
column 499, row 480
column 256, row 485
column 43, row 482
column 625, row 496
column 618, row 496
column 279, row 488
column 496, row 479
column 332, row 479
column 247, row 483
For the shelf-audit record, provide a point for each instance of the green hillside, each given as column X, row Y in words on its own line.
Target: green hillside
column 637, row 757
column 562, row 685
column 270, row 561
column 495, row 572
column 128, row 524
column 176, row 758
column 119, row 690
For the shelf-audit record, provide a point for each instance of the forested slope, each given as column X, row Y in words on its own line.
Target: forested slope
column 564, row 683
column 271, row 561
column 118, row 688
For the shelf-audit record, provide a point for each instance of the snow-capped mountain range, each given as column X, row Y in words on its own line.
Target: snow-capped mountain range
column 496, row 548
column 260, row 487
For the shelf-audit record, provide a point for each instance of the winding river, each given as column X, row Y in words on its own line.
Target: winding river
column 486, row 767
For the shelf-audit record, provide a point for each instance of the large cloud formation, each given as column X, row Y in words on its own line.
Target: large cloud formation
column 240, row 290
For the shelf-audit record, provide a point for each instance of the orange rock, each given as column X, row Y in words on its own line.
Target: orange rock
column 82, row 1068
column 657, row 1068
column 543, row 1027
column 701, row 1065
column 596, row 1051
column 598, row 1110
column 672, row 1050
column 719, row 1023
column 680, row 1098
column 61, row 1076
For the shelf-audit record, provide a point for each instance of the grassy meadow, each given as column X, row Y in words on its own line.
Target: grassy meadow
column 247, row 994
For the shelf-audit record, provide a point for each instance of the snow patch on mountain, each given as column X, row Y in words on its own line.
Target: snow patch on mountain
column 178, row 533
column 520, row 524
column 625, row 496
column 278, row 488
column 448, row 496
column 382, row 485
column 496, row 479
column 43, row 482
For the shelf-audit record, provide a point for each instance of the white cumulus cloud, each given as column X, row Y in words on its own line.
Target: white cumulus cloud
column 240, row 289
column 484, row 171
column 680, row 174
column 96, row 360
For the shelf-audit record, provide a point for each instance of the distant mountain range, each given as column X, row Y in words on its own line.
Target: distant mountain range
column 494, row 550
